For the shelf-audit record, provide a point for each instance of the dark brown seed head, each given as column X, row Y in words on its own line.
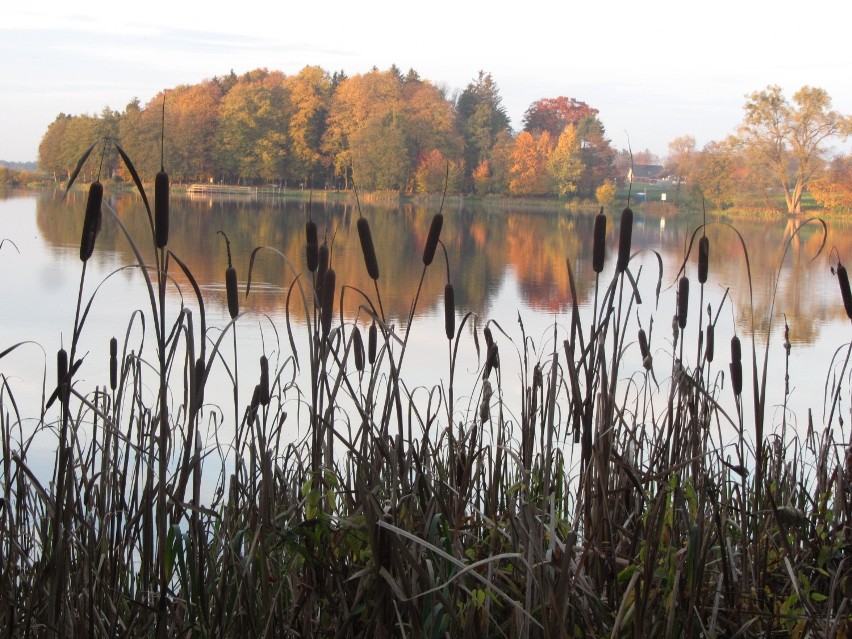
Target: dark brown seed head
column 492, row 361
column 709, row 347
column 624, row 238
column 358, row 349
column 644, row 349
column 682, row 301
column 432, row 238
column 92, row 221
column 703, row 258
column 736, row 349
column 62, row 374
column 489, row 338
column 367, row 248
column 327, row 309
column 322, row 265
column 737, row 377
column 113, row 363
column 845, row 293
column 599, row 242
column 199, row 381
column 312, row 245
column 372, row 343
column 161, row 209
column 449, row 311
column 232, row 292
column 264, row 381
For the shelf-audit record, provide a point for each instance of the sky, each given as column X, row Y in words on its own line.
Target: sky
column 654, row 70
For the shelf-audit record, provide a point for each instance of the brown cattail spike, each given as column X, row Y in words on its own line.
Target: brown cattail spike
column 736, row 365
column 703, row 258
column 92, row 221
column 367, row 248
column 845, row 293
column 327, row 309
column 644, row 349
column 449, row 311
column 682, row 301
column 358, row 349
column 199, row 382
column 232, row 292
column 432, row 238
column 736, row 349
column 625, row 236
column 709, row 345
column 264, row 381
column 599, row 243
column 322, row 266
column 312, row 245
column 113, row 363
column 372, row 343
column 161, row 209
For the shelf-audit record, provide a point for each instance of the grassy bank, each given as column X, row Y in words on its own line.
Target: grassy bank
column 419, row 512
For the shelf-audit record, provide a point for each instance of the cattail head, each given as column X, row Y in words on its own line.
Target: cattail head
column 358, row 349
column 736, row 365
column 327, row 308
column 449, row 311
column 199, row 381
column 372, row 343
column 492, row 361
column 845, row 293
column 367, row 248
column 432, row 238
column 682, row 301
column 703, row 258
column 322, row 265
column 161, row 209
column 92, row 221
column 312, row 245
column 644, row 349
column 709, row 344
column 232, row 291
column 625, row 236
column 599, row 242
column 264, row 381
column 61, row 366
column 489, row 338
column 113, row 363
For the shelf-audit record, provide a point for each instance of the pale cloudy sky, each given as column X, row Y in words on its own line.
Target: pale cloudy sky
column 655, row 70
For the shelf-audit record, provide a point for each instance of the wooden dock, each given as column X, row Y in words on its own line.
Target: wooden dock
column 221, row 189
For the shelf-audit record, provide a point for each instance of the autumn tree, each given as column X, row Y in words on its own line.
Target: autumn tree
column 680, row 160
column 310, row 95
column 596, row 155
column 192, row 121
column 530, row 175
column 434, row 171
column 565, row 164
column 50, row 158
column 713, row 173
column 554, row 114
column 791, row 139
column 833, row 189
column 481, row 119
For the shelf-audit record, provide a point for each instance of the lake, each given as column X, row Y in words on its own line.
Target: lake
column 506, row 265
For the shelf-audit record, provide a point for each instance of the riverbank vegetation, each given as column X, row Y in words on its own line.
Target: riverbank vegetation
column 395, row 131
column 603, row 501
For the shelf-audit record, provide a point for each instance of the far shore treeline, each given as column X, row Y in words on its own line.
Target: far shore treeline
column 389, row 130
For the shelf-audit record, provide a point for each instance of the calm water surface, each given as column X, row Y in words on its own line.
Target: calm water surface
column 505, row 266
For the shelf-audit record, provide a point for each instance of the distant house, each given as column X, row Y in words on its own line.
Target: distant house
column 649, row 173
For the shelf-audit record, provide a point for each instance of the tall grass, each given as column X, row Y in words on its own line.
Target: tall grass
column 603, row 504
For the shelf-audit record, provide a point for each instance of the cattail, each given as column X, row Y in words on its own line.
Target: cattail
column 644, row 349
column 62, row 374
column 845, row 293
column 367, row 248
column 682, row 301
column 312, row 246
column 161, row 209
column 736, row 365
column 599, row 243
column 199, row 381
column 432, row 238
column 372, row 343
column 358, row 348
column 255, row 402
column 327, row 308
column 624, row 238
column 92, row 221
column 322, row 265
column 264, row 381
column 492, row 361
column 708, row 347
column 113, row 363
column 703, row 258
column 231, row 290
column 489, row 338
column 449, row 311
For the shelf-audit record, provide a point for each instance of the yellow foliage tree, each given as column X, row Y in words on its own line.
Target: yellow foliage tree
column 565, row 164
column 529, row 167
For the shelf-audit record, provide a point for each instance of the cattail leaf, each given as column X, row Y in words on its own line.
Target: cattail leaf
column 136, row 180
column 77, row 168
column 199, row 298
